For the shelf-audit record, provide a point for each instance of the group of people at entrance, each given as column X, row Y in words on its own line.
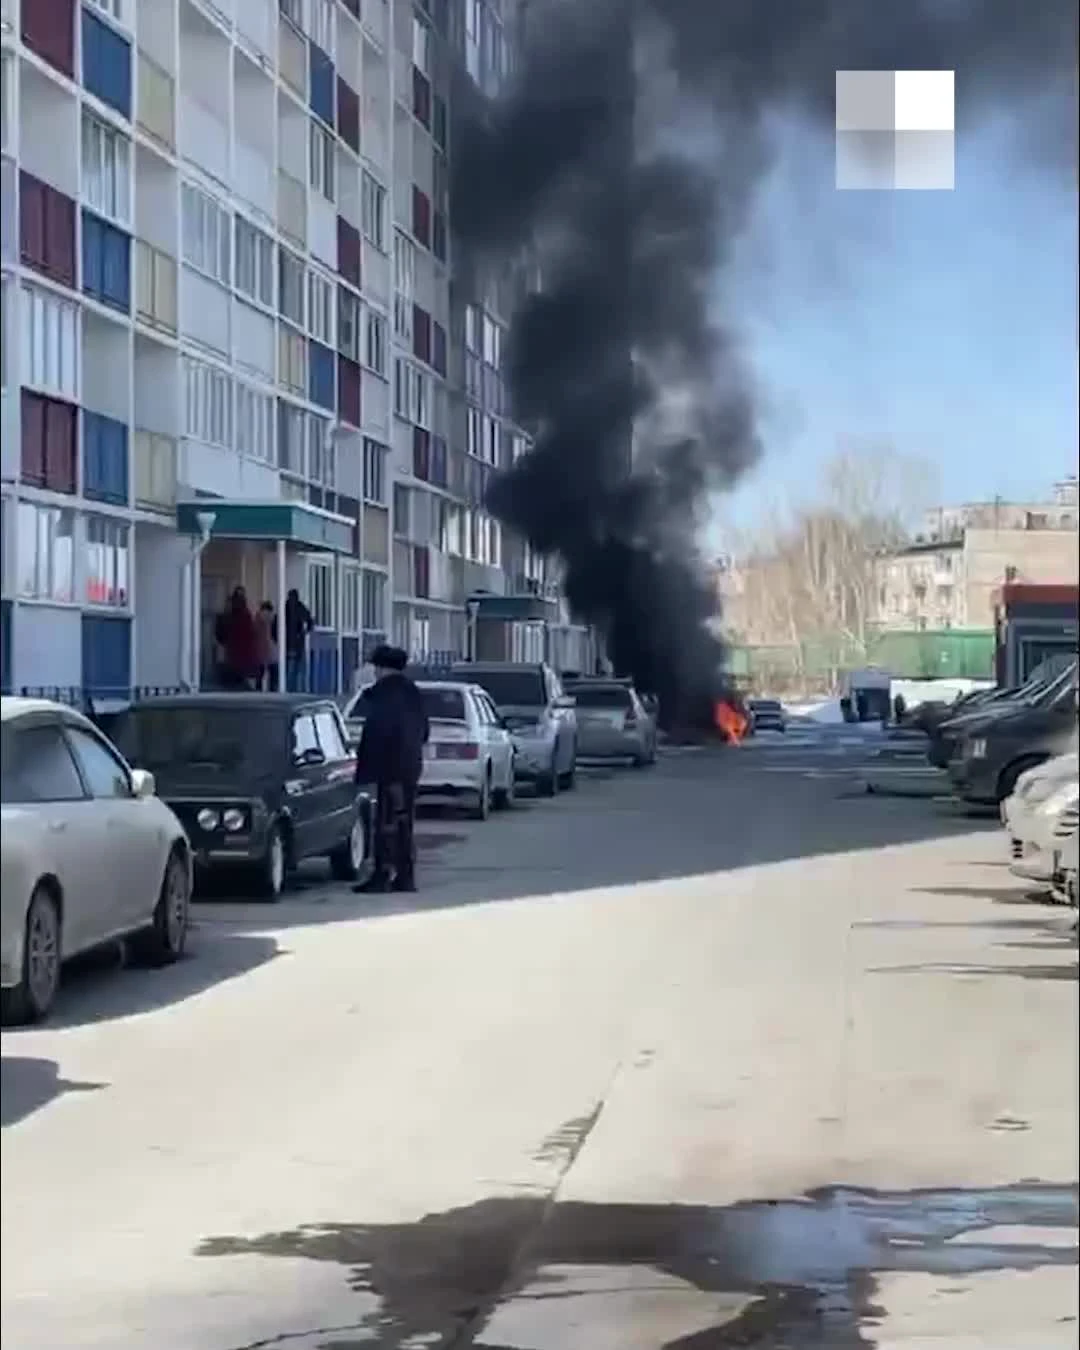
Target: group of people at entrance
column 248, row 643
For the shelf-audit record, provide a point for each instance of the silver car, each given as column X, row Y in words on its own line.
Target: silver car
column 613, row 722
column 529, row 698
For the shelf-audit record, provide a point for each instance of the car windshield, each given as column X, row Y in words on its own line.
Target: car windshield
column 512, row 688
column 1051, row 691
column 187, row 737
column 601, row 696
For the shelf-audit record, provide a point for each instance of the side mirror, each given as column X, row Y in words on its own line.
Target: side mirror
column 310, row 758
column 142, row 783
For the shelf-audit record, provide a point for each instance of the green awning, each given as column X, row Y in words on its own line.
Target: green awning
column 514, row 608
column 301, row 526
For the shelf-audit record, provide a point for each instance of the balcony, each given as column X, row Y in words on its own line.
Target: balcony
column 155, row 287
column 155, row 471
column 291, row 207
column 155, row 105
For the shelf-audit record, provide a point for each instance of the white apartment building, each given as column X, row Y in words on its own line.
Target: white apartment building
column 228, row 350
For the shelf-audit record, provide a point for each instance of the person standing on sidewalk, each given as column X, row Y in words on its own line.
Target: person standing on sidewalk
column 298, row 624
column 390, row 756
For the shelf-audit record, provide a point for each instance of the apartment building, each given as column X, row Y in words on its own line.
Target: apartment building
column 947, row 576
column 228, row 349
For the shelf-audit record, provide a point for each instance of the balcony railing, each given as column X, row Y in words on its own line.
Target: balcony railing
column 156, row 110
column 155, row 471
column 155, row 287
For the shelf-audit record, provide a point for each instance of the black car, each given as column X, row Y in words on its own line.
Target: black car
column 259, row 781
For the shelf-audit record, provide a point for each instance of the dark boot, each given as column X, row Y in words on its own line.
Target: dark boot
column 405, row 882
column 377, row 884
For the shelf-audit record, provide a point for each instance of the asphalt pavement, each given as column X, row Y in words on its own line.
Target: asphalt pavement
column 724, row 1052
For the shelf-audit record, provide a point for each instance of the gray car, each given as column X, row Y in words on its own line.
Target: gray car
column 613, row 722
column 540, row 716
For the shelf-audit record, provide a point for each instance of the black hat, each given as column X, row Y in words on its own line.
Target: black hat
column 385, row 657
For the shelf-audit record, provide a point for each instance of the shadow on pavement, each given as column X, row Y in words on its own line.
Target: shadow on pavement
column 98, row 988
column 27, row 1084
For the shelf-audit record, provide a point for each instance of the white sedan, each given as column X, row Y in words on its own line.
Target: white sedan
column 1031, row 813
column 469, row 757
column 88, row 854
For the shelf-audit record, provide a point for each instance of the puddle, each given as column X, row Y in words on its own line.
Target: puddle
column 794, row 1274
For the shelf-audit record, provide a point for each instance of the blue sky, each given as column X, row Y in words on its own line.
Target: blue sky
column 942, row 322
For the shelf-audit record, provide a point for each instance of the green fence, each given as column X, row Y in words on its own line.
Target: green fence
column 966, row 654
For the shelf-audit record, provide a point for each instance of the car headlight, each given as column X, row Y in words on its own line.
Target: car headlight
column 978, row 748
column 1062, row 799
column 233, row 819
column 207, row 819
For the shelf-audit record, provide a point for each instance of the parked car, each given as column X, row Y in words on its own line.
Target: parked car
column 947, row 733
column 995, row 750
column 537, row 711
column 470, row 753
column 88, row 854
column 1066, row 841
column 260, row 782
column 612, row 721
column 767, row 714
column 1031, row 813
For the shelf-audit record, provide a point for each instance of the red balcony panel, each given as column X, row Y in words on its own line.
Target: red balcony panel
column 421, row 334
column 421, row 573
column 421, row 454
column 421, row 98
column 46, row 230
column 348, row 114
column 48, row 28
column 349, row 401
column 32, row 459
column 421, row 216
column 349, row 251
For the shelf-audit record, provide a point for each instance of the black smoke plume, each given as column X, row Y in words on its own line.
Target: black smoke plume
column 628, row 147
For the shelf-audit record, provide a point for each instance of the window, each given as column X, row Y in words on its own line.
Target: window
column 373, row 211
column 373, row 601
column 472, row 329
column 331, row 741
column 114, row 8
column 474, row 432
column 46, row 553
column 491, row 440
column 321, row 308
column 320, row 579
column 106, row 170
column 291, row 287
column 401, row 511
column 7, row 95
column 102, row 772
column 374, row 472
column 5, row 359
column 348, row 324
column 50, row 342
column 421, row 46
column 322, row 24
column 404, row 285
column 375, row 343
column 492, row 342
column 38, row 767
column 255, row 423
column 321, row 451
column 107, row 562
column 291, row 438
column 350, row 599
column 292, row 359
column 323, row 162
column 209, row 403
column 412, row 393
column 293, row 10
column 205, row 233
column 304, row 737
column 254, row 262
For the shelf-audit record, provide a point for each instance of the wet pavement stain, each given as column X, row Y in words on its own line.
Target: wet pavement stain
column 800, row 1273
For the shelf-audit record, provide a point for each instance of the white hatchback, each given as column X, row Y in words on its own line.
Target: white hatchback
column 469, row 756
column 1031, row 813
column 87, row 854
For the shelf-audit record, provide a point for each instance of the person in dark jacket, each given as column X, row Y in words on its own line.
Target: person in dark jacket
column 235, row 634
column 390, row 756
column 298, row 624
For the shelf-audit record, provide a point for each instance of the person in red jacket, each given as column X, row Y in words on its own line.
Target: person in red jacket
column 237, row 636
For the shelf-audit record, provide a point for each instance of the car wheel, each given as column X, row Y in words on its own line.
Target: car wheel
column 33, row 997
column 347, row 860
column 164, row 941
column 482, row 808
column 1006, row 783
column 504, row 797
column 273, row 869
column 547, row 785
column 568, row 780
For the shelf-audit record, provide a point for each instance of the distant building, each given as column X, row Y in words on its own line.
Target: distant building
column 946, row 576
